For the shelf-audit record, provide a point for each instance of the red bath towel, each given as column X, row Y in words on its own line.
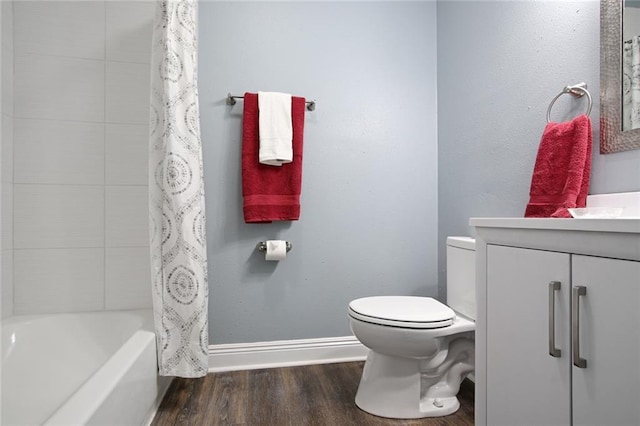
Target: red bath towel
column 270, row 193
column 562, row 170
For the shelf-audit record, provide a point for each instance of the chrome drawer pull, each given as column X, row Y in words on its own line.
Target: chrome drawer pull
column 553, row 287
column 575, row 326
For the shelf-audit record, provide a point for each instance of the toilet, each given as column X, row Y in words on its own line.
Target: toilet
column 420, row 349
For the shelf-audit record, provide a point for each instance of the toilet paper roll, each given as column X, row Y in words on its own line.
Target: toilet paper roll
column 276, row 250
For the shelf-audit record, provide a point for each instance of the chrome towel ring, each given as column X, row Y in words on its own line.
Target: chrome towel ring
column 578, row 90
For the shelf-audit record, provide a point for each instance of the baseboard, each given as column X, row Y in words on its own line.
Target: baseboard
column 285, row 353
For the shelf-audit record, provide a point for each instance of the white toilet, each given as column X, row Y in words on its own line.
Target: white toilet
column 420, row 350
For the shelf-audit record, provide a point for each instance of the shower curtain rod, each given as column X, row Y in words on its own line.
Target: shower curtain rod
column 231, row 100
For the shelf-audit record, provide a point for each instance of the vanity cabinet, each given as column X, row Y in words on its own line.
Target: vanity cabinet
column 558, row 329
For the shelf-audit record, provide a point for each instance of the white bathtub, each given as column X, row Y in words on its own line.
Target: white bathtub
column 76, row 369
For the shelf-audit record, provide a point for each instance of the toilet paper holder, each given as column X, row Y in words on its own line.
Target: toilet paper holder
column 262, row 246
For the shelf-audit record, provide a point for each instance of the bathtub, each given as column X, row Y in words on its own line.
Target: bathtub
column 76, row 369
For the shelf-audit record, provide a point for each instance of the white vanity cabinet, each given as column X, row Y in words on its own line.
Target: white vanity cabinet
column 538, row 279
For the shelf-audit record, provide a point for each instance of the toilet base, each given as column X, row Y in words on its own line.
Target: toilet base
column 390, row 387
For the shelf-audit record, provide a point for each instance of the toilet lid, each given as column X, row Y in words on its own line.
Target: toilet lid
column 402, row 311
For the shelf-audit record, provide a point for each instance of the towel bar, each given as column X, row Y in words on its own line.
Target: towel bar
column 231, row 100
column 578, row 90
column 262, row 246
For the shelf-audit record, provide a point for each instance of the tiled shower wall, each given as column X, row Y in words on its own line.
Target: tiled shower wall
column 80, row 114
column 6, row 154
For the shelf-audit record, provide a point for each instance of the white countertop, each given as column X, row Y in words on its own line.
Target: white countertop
column 618, row 238
column 625, row 225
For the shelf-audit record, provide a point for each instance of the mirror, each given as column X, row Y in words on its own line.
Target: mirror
column 631, row 65
column 612, row 85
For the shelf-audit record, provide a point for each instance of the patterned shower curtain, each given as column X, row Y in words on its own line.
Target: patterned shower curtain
column 631, row 84
column 176, row 194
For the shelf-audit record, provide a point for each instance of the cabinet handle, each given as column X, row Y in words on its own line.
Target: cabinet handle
column 553, row 287
column 575, row 325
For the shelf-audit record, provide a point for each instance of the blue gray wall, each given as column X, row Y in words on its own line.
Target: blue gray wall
column 383, row 185
column 499, row 66
column 369, row 195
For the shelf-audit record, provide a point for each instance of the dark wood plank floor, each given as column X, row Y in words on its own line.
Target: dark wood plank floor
column 310, row 395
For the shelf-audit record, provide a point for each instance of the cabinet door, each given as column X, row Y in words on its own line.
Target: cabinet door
column 526, row 385
column 607, row 391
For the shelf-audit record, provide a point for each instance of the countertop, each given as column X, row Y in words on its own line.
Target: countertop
column 624, row 225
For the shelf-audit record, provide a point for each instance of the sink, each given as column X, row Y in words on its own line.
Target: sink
column 597, row 212
column 629, row 202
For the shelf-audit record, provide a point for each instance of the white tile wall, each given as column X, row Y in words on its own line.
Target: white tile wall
column 129, row 30
column 81, row 97
column 127, row 97
column 6, row 240
column 58, row 280
column 70, row 89
column 59, row 152
column 126, row 152
column 127, row 284
column 56, row 216
column 7, row 78
column 7, row 23
column 61, row 28
column 6, row 162
column 127, row 216
column 6, row 266
column 7, row 148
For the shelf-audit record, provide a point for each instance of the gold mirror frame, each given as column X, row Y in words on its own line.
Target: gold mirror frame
column 612, row 138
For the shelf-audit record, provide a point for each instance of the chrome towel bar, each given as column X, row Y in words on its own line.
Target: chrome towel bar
column 231, row 100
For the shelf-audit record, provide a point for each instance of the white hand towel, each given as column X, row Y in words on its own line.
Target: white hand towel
column 276, row 130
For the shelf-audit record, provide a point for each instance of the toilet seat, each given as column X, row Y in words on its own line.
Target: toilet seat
column 402, row 311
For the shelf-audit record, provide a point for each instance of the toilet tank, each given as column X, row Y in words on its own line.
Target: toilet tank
column 461, row 275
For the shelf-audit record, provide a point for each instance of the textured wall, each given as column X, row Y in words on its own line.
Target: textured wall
column 369, row 205
column 499, row 66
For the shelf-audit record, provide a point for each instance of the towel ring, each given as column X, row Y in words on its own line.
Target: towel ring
column 578, row 90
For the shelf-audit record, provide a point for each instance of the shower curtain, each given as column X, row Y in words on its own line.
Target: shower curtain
column 176, row 195
column 631, row 84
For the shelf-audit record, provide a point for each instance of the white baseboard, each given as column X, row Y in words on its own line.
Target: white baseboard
column 285, row 353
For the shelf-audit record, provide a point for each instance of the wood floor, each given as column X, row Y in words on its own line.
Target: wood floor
column 310, row 395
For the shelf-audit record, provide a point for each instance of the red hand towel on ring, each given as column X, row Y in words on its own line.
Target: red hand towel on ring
column 563, row 166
